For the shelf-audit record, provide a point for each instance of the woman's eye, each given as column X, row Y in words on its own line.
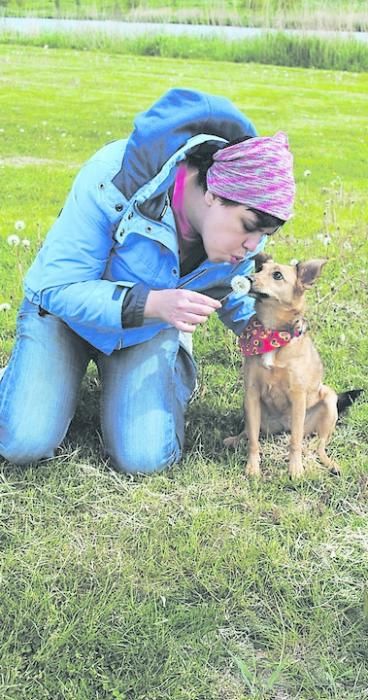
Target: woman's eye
column 277, row 275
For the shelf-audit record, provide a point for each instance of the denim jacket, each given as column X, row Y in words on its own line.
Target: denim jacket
column 117, row 228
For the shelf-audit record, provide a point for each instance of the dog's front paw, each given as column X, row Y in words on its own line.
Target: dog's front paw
column 296, row 469
column 253, row 469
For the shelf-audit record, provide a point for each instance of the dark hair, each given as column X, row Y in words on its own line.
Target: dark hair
column 201, row 158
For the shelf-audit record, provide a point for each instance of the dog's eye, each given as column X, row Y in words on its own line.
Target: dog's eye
column 277, row 275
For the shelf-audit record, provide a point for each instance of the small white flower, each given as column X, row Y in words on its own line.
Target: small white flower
column 294, row 261
column 26, row 243
column 19, row 225
column 240, row 284
column 307, row 173
column 5, row 307
column 13, row 239
column 327, row 239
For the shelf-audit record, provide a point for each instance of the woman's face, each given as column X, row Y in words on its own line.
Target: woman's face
column 229, row 232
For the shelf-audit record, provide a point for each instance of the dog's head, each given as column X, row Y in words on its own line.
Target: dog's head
column 283, row 284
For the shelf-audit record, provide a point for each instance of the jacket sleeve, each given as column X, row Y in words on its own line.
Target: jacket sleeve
column 66, row 278
column 164, row 128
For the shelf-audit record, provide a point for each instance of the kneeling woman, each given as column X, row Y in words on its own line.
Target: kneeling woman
column 151, row 234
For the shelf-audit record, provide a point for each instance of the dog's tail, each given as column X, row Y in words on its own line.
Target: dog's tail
column 346, row 398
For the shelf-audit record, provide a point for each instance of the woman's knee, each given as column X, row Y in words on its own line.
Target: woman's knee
column 147, row 461
column 24, row 449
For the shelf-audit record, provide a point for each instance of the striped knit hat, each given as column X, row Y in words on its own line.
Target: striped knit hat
column 258, row 173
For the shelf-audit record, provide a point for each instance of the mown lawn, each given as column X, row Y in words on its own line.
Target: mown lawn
column 196, row 584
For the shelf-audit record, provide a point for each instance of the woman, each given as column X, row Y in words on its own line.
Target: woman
column 150, row 236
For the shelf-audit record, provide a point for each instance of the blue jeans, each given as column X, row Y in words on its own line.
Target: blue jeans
column 145, row 391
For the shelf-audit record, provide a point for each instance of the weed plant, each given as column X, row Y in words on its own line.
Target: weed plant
column 195, row 584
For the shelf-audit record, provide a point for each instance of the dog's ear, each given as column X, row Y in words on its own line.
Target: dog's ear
column 308, row 272
column 260, row 259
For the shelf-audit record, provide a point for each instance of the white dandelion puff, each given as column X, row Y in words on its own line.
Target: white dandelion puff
column 327, row 239
column 26, row 243
column 240, row 284
column 13, row 239
column 294, row 261
column 307, row 173
column 5, row 307
column 19, row 225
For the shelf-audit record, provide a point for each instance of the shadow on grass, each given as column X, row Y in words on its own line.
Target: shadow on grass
column 206, row 424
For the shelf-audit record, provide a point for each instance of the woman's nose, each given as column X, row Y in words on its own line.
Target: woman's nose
column 252, row 242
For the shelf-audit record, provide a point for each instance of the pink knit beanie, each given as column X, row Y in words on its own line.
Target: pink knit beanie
column 258, row 173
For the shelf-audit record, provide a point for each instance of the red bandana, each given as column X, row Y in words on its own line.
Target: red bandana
column 256, row 340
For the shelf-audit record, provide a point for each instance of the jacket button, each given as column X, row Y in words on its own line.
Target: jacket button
column 119, row 207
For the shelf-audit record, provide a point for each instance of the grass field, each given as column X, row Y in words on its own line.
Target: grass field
column 308, row 14
column 196, row 584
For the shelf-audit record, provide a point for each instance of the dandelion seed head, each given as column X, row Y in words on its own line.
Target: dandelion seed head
column 19, row 225
column 26, row 243
column 13, row 239
column 307, row 173
column 5, row 307
column 240, row 284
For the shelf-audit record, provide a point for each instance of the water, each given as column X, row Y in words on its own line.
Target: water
column 33, row 25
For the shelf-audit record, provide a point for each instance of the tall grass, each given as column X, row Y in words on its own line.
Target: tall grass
column 307, row 14
column 271, row 49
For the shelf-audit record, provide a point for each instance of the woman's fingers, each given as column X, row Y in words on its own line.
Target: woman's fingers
column 181, row 308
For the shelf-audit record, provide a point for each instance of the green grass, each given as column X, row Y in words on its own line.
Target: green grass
column 195, row 584
column 276, row 49
column 307, row 14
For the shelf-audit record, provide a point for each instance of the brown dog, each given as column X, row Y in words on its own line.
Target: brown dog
column 283, row 387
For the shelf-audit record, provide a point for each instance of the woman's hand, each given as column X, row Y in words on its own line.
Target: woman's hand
column 180, row 308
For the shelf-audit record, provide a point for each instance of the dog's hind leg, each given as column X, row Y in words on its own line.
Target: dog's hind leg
column 322, row 420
